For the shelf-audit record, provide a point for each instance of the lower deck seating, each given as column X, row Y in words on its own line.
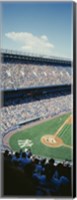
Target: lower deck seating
column 27, row 175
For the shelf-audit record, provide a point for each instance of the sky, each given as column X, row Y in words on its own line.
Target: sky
column 43, row 28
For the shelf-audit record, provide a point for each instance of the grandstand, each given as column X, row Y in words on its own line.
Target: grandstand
column 37, row 100
column 22, row 75
column 11, row 56
column 33, row 83
column 26, row 75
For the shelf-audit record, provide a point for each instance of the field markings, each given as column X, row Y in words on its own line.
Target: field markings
column 25, row 144
column 7, row 137
column 66, row 145
column 53, row 140
column 62, row 126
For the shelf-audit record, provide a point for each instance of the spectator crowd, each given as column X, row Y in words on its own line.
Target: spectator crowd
column 28, row 175
column 27, row 75
column 14, row 114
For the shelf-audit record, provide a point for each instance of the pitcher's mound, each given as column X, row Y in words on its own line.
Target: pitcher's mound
column 52, row 141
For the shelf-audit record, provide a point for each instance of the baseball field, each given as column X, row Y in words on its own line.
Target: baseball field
column 51, row 138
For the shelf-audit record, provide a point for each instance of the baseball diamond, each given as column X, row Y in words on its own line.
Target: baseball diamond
column 51, row 138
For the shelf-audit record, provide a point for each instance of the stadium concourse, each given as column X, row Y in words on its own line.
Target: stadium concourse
column 26, row 173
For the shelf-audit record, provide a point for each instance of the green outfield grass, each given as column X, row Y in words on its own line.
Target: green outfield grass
column 31, row 138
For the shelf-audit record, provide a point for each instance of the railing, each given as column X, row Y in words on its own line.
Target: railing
column 21, row 53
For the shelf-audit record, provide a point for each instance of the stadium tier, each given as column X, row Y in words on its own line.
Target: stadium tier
column 28, row 75
column 13, row 114
column 11, row 56
column 24, row 95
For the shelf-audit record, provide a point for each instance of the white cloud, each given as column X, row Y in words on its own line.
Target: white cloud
column 31, row 43
column 44, row 37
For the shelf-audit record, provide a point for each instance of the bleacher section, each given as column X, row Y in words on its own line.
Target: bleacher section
column 27, row 75
column 33, row 107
